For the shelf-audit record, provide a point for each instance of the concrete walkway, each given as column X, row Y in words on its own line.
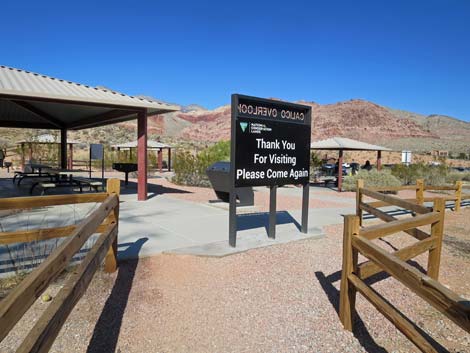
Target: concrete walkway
column 167, row 224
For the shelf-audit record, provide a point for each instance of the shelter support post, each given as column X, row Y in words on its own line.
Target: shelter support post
column 160, row 159
column 340, row 170
column 22, row 156
column 379, row 160
column 142, row 155
column 30, row 152
column 63, row 148
column 169, row 159
column 70, row 166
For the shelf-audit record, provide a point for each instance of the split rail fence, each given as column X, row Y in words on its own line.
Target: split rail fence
column 358, row 240
column 104, row 220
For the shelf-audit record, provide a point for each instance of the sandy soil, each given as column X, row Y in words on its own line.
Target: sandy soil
column 276, row 299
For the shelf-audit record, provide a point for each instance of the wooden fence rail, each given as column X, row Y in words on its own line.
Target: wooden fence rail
column 357, row 240
column 420, row 188
column 103, row 220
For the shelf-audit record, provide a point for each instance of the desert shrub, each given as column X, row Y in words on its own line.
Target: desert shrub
column 452, row 177
column 371, row 179
column 185, row 167
column 432, row 175
column 190, row 169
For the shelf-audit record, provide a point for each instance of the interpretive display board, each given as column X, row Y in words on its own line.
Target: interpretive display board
column 270, row 146
column 272, row 142
column 96, row 153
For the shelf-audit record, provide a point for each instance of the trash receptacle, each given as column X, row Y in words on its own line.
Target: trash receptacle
column 219, row 176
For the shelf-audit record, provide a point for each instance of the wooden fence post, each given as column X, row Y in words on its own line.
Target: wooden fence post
column 458, row 195
column 113, row 186
column 437, row 230
column 347, row 299
column 359, row 186
column 420, row 191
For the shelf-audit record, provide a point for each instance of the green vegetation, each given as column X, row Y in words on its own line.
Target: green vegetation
column 190, row 169
column 315, row 160
column 371, row 179
column 452, row 177
column 432, row 175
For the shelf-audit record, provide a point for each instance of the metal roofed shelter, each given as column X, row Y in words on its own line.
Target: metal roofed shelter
column 344, row 144
column 46, row 139
column 31, row 100
column 151, row 145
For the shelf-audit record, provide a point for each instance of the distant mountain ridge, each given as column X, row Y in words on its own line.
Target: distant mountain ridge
column 355, row 118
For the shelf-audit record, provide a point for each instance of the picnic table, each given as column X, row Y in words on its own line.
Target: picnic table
column 32, row 170
column 66, row 178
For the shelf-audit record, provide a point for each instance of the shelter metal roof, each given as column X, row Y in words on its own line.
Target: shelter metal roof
column 342, row 143
column 150, row 144
column 33, row 100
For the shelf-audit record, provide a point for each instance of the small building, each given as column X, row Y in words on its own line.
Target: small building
column 45, row 139
column 342, row 144
column 440, row 153
column 151, row 145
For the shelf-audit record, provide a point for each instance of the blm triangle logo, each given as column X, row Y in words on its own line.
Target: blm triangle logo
column 243, row 125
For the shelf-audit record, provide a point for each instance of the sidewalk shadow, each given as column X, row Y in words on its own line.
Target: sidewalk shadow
column 360, row 330
column 107, row 328
column 261, row 219
column 153, row 190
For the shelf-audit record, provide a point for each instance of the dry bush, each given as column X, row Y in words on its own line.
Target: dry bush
column 373, row 179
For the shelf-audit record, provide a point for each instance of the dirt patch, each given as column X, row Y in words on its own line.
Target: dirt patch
column 278, row 299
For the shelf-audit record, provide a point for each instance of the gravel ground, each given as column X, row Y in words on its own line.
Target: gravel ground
column 276, row 299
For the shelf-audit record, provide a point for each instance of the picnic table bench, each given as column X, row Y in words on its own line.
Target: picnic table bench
column 67, row 178
column 93, row 184
column 79, row 182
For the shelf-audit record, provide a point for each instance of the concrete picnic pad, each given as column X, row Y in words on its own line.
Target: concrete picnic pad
column 168, row 224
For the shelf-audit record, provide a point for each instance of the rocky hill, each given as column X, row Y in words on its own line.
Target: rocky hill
column 453, row 134
column 357, row 119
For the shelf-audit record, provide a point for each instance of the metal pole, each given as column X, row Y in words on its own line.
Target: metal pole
column 272, row 212
column 89, row 163
column 305, row 202
column 232, row 219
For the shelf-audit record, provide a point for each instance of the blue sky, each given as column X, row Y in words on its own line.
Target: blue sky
column 412, row 55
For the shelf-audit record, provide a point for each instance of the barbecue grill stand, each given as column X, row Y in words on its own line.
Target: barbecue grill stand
column 126, row 168
column 219, row 177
